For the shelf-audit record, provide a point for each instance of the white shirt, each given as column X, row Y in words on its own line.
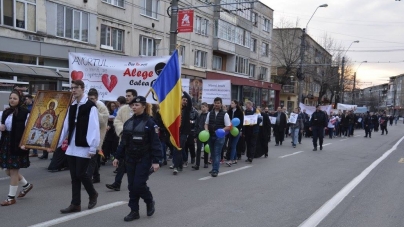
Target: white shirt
column 93, row 133
column 227, row 121
column 9, row 121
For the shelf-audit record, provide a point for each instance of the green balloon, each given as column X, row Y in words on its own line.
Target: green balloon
column 207, row 148
column 234, row 131
column 203, row 136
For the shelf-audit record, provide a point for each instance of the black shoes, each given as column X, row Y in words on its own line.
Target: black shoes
column 133, row 215
column 114, row 186
column 150, row 208
column 321, row 148
column 248, row 160
column 315, row 149
column 266, row 155
column 195, row 167
column 43, row 157
column 214, row 174
column 71, row 209
column 93, row 201
column 206, row 166
column 96, row 180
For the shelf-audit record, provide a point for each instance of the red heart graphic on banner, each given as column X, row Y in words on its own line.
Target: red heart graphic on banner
column 109, row 82
column 77, row 75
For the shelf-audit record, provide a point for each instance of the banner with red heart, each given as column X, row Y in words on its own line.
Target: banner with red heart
column 77, row 75
column 109, row 81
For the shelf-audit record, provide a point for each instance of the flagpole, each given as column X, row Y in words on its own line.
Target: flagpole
column 148, row 93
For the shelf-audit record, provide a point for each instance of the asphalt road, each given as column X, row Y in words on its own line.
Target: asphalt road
column 338, row 186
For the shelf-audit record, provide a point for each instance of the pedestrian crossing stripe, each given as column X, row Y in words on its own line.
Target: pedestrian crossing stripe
column 401, row 160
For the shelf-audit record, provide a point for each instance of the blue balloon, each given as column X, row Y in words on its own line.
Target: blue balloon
column 220, row 133
column 235, row 121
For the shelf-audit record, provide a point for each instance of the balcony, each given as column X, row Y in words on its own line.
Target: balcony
column 289, row 89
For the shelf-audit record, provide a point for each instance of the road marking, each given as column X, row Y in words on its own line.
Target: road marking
column 343, row 139
column 401, row 160
column 4, row 178
column 326, row 144
column 78, row 215
column 227, row 172
column 331, row 204
column 291, row 154
column 357, row 135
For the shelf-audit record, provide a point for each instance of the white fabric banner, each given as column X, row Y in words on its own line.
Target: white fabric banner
column 341, row 106
column 111, row 76
column 216, row 88
column 311, row 109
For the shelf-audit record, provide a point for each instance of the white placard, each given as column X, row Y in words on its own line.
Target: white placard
column 250, row 119
column 111, row 76
column 341, row 106
column 293, row 118
column 216, row 88
column 273, row 120
column 185, row 84
column 311, row 109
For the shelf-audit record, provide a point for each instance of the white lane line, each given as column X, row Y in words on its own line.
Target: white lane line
column 291, row 154
column 78, row 215
column 4, row 178
column 357, row 135
column 331, row 204
column 343, row 139
column 326, row 144
column 227, row 172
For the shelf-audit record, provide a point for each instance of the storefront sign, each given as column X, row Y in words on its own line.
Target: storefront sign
column 185, row 21
column 111, row 76
column 216, row 88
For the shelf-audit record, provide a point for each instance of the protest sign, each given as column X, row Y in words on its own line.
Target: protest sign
column 293, row 118
column 216, row 88
column 250, row 119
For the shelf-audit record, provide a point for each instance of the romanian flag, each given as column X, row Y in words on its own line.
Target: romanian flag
column 168, row 90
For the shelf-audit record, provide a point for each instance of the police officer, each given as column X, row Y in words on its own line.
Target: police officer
column 142, row 153
column 318, row 123
column 368, row 125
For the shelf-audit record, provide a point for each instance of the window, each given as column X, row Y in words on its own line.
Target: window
column 263, row 73
column 265, row 49
column 232, row 33
column 72, row 24
column 111, row 38
column 147, row 46
column 149, row 8
column 217, row 62
column 181, row 52
column 241, row 65
column 201, row 26
column 119, row 3
column 251, row 72
column 200, row 58
column 254, row 19
column 19, row 14
column 266, row 25
column 253, row 47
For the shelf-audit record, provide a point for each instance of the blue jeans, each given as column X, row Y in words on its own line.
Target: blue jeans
column 330, row 132
column 295, row 135
column 233, row 146
column 216, row 145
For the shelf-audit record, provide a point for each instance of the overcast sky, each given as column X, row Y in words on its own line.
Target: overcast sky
column 377, row 24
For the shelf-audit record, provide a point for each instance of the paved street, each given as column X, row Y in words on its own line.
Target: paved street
column 290, row 188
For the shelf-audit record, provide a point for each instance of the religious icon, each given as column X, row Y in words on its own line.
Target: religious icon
column 45, row 122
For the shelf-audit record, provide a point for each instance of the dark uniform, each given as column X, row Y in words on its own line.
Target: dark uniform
column 318, row 122
column 141, row 149
column 368, row 125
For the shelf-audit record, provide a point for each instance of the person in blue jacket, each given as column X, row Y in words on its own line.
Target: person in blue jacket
column 142, row 152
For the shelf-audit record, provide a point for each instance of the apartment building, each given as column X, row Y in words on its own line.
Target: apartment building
column 228, row 42
column 286, row 47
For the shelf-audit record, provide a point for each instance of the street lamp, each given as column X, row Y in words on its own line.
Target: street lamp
column 342, row 70
column 354, row 82
column 300, row 75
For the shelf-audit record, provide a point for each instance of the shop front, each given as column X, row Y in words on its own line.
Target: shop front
column 261, row 93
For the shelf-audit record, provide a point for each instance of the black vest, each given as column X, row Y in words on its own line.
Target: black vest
column 216, row 121
column 136, row 140
column 81, row 125
column 17, row 130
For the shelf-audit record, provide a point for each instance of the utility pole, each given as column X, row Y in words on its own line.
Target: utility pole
column 353, row 90
column 342, row 80
column 173, row 26
column 300, row 74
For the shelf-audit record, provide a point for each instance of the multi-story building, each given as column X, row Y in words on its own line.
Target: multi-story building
column 228, row 42
column 374, row 97
column 286, row 47
column 395, row 95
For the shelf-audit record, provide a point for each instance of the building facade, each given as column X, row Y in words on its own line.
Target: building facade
column 228, row 42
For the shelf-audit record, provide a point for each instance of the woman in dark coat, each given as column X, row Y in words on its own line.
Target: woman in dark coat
column 111, row 139
column 12, row 156
column 263, row 139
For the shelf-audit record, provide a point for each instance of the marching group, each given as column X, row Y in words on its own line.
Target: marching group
column 131, row 132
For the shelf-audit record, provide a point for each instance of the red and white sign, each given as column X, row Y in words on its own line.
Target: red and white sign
column 185, row 21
